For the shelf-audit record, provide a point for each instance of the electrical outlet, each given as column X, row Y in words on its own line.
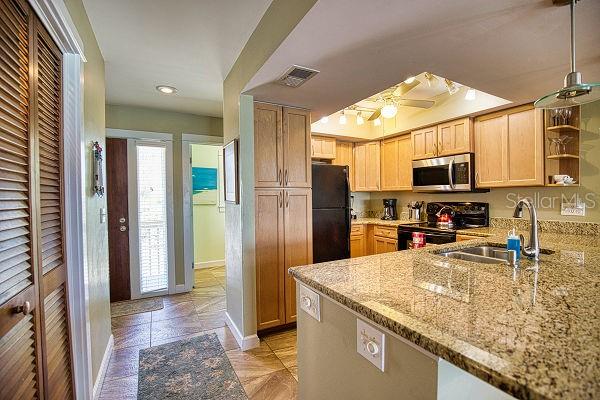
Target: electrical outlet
column 576, row 209
column 310, row 302
column 370, row 343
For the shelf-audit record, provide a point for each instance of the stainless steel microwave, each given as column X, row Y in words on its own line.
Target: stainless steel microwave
column 444, row 174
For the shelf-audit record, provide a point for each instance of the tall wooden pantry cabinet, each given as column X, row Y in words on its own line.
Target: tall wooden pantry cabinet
column 283, row 205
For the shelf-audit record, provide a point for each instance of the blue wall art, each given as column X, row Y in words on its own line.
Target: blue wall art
column 204, row 185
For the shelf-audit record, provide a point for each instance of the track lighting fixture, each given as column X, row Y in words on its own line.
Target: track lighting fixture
column 359, row 119
column 343, row 120
column 452, row 88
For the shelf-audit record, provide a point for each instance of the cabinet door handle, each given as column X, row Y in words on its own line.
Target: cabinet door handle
column 287, row 199
column 24, row 309
column 279, row 176
column 286, row 177
column 279, row 200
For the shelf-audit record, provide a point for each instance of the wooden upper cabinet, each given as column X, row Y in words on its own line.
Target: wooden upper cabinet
column 269, row 258
column 296, row 148
column 509, row 148
column 455, row 137
column 268, row 145
column 424, row 143
column 396, row 163
column 490, row 150
column 298, row 241
column 366, row 166
column 281, row 146
column 344, row 156
column 323, row 148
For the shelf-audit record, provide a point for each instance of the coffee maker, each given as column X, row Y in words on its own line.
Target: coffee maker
column 389, row 209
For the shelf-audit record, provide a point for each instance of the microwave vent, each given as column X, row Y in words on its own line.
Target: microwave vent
column 296, row 76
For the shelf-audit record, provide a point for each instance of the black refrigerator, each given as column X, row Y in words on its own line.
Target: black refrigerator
column 331, row 212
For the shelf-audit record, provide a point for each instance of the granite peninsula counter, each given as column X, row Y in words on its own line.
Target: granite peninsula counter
column 533, row 333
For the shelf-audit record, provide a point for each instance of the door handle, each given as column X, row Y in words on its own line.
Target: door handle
column 25, row 308
column 279, row 176
column 122, row 228
column 279, row 200
column 286, row 177
column 122, row 220
column 451, row 173
column 287, row 199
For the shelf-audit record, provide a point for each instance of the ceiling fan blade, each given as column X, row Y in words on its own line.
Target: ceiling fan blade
column 404, row 88
column 375, row 115
column 416, row 103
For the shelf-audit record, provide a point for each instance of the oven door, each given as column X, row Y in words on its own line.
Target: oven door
column 405, row 238
column 444, row 174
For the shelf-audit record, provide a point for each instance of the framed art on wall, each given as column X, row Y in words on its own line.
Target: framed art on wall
column 230, row 172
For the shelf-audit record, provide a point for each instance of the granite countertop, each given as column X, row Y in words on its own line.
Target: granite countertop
column 382, row 222
column 533, row 332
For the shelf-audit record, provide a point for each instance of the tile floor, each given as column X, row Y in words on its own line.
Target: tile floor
column 267, row 372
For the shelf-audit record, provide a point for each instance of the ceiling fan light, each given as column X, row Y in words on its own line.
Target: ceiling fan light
column 324, row 120
column 389, row 110
column 359, row 119
column 471, row 94
column 377, row 122
column 343, row 120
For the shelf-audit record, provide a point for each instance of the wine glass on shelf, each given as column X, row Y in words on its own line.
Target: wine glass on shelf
column 553, row 146
column 562, row 141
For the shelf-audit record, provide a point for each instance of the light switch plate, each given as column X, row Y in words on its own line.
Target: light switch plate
column 370, row 343
column 310, row 302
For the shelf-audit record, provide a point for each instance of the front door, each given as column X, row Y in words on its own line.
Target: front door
column 118, row 219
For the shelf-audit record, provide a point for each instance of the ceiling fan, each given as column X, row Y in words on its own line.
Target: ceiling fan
column 392, row 98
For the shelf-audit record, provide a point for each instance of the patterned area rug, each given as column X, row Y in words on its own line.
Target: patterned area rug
column 195, row 368
column 129, row 307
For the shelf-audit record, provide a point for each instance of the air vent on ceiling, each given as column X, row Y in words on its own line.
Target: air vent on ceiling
column 296, row 76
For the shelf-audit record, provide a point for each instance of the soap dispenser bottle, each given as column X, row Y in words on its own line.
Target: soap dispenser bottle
column 513, row 242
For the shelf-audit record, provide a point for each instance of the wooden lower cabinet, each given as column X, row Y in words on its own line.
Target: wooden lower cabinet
column 283, row 232
column 384, row 245
column 358, row 241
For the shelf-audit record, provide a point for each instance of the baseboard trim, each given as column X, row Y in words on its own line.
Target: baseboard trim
column 103, row 367
column 245, row 342
column 208, row 264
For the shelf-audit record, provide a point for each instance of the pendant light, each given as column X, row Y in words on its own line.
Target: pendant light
column 574, row 92
column 377, row 122
column 343, row 118
column 471, row 94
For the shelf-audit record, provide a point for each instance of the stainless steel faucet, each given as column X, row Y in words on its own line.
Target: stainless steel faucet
column 532, row 249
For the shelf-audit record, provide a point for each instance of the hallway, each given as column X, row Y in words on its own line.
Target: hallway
column 267, row 372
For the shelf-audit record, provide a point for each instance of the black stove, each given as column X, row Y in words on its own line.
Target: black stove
column 464, row 215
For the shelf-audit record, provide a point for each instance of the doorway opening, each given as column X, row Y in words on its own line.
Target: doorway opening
column 208, row 216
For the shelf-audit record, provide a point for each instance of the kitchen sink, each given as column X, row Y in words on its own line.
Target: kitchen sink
column 480, row 254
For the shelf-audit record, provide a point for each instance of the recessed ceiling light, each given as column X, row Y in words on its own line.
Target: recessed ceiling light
column 324, row 120
column 166, row 89
column 470, row 94
column 409, row 80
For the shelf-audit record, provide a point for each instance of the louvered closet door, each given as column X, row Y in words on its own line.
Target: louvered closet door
column 53, row 292
column 20, row 367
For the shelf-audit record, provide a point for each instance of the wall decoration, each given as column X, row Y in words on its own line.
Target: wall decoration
column 98, row 170
column 230, row 172
column 204, row 185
